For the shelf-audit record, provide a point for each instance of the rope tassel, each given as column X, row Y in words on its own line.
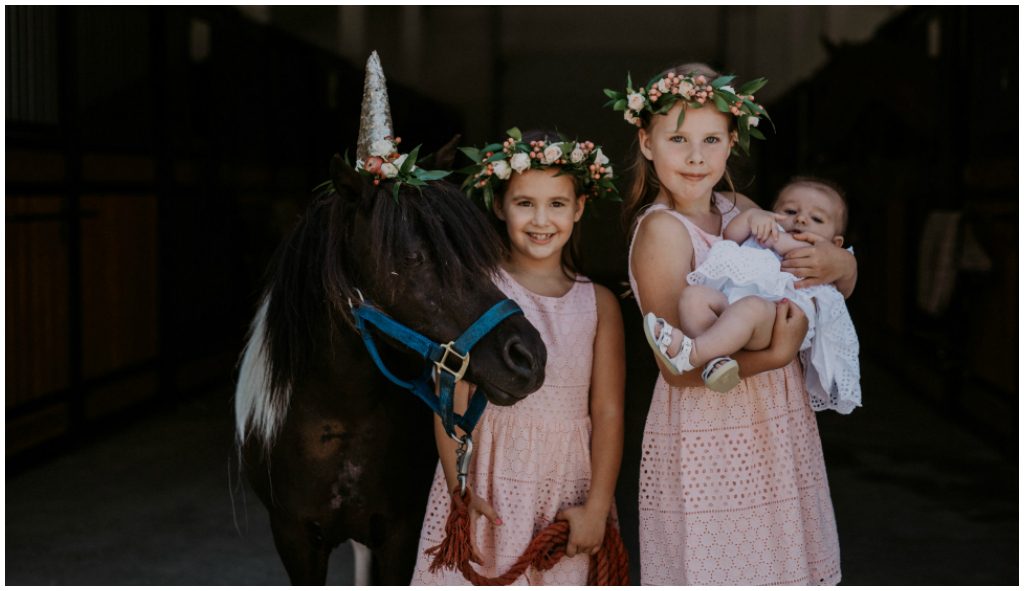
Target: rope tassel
column 610, row 566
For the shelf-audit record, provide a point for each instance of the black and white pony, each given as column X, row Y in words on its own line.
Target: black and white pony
column 333, row 449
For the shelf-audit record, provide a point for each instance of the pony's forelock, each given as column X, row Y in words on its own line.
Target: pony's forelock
column 312, row 279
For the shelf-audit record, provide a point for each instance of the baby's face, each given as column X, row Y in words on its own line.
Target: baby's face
column 810, row 210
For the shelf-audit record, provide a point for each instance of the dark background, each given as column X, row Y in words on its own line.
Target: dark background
column 155, row 157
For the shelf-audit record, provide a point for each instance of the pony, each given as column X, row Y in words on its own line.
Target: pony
column 333, row 449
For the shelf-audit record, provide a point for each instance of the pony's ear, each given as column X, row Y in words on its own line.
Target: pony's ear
column 345, row 178
column 444, row 157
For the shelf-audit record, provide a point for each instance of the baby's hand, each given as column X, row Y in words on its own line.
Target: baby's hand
column 764, row 225
column 586, row 529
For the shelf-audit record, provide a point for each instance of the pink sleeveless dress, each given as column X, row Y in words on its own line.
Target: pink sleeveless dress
column 733, row 489
column 532, row 459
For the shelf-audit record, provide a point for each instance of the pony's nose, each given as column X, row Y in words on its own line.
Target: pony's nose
column 518, row 358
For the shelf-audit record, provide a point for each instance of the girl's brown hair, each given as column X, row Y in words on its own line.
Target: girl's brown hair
column 644, row 186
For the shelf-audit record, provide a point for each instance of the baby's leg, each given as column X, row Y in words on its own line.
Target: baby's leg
column 746, row 324
column 699, row 308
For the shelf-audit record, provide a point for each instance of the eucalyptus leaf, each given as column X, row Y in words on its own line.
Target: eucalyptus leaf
column 472, row 153
column 432, row 175
column 515, row 134
column 754, row 132
column 612, row 94
column 752, row 86
column 720, row 103
column 682, row 115
column 488, row 195
column 722, row 81
column 620, row 105
column 394, row 191
column 629, row 81
column 410, row 161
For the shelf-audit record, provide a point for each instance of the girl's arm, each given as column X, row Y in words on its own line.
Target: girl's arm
column 822, row 262
column 787, row 336
column 446, row 451
column 662, row 256
column 607, row 384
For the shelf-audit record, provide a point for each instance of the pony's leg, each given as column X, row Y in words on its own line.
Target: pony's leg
column 362, row 558
column 395, row 558
column 301, row 550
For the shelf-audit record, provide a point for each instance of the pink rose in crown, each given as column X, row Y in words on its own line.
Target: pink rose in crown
column 373, row 164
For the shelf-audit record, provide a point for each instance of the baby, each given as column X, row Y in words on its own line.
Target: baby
column 729, row 303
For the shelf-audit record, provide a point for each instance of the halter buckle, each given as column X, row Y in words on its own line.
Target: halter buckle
column 443, row 363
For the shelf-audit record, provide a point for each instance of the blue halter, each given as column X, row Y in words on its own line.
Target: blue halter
column 450, row 360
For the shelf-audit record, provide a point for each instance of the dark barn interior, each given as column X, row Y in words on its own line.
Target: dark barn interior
column 155, row 157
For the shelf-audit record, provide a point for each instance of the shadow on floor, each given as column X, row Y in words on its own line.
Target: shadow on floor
column 918, row 500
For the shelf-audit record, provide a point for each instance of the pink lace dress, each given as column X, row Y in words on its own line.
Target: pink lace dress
column 733, row 489
column 531, row 459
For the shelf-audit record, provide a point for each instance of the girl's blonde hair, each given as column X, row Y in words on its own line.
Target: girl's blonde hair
column 644, row 187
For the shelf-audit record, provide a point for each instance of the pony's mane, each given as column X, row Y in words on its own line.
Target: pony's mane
column 313, row 278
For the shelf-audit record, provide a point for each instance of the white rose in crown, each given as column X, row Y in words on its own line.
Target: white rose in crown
column 389, row 170
column 630, row 117
column 608, row 171
column 577, row 155
column 600, row 159
column 753, row 121
column 728, row 89
column 382, row 148
column 635, row 101
column 501, row 169
column 520, row 162
column 685, row 89
column 551, row 154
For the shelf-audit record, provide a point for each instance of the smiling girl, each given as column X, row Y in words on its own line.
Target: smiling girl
column 556, row 454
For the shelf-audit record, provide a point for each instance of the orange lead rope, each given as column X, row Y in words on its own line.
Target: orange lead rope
column 610, row 566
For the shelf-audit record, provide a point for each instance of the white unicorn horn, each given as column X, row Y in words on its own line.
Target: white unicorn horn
column 375, row 119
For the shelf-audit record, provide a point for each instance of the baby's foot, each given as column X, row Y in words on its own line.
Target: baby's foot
column 670, row 345
column 721, row 374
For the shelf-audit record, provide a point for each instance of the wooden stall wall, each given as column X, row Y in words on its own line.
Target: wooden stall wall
column 919, row 125
column 154, row 158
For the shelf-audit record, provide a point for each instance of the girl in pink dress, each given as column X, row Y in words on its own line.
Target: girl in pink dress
column 556, row 454
column 733, row 489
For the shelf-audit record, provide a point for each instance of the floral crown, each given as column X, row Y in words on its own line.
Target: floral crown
column 495, row 163
column 662, row 93
column 386, row 163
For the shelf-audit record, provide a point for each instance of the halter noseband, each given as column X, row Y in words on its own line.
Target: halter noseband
column 449, row 364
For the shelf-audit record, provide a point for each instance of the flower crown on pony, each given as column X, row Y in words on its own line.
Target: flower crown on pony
column 495, row 163
column 386, row 163
column 660, row 94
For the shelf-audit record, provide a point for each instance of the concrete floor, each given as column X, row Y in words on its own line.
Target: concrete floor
column 918, row 501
